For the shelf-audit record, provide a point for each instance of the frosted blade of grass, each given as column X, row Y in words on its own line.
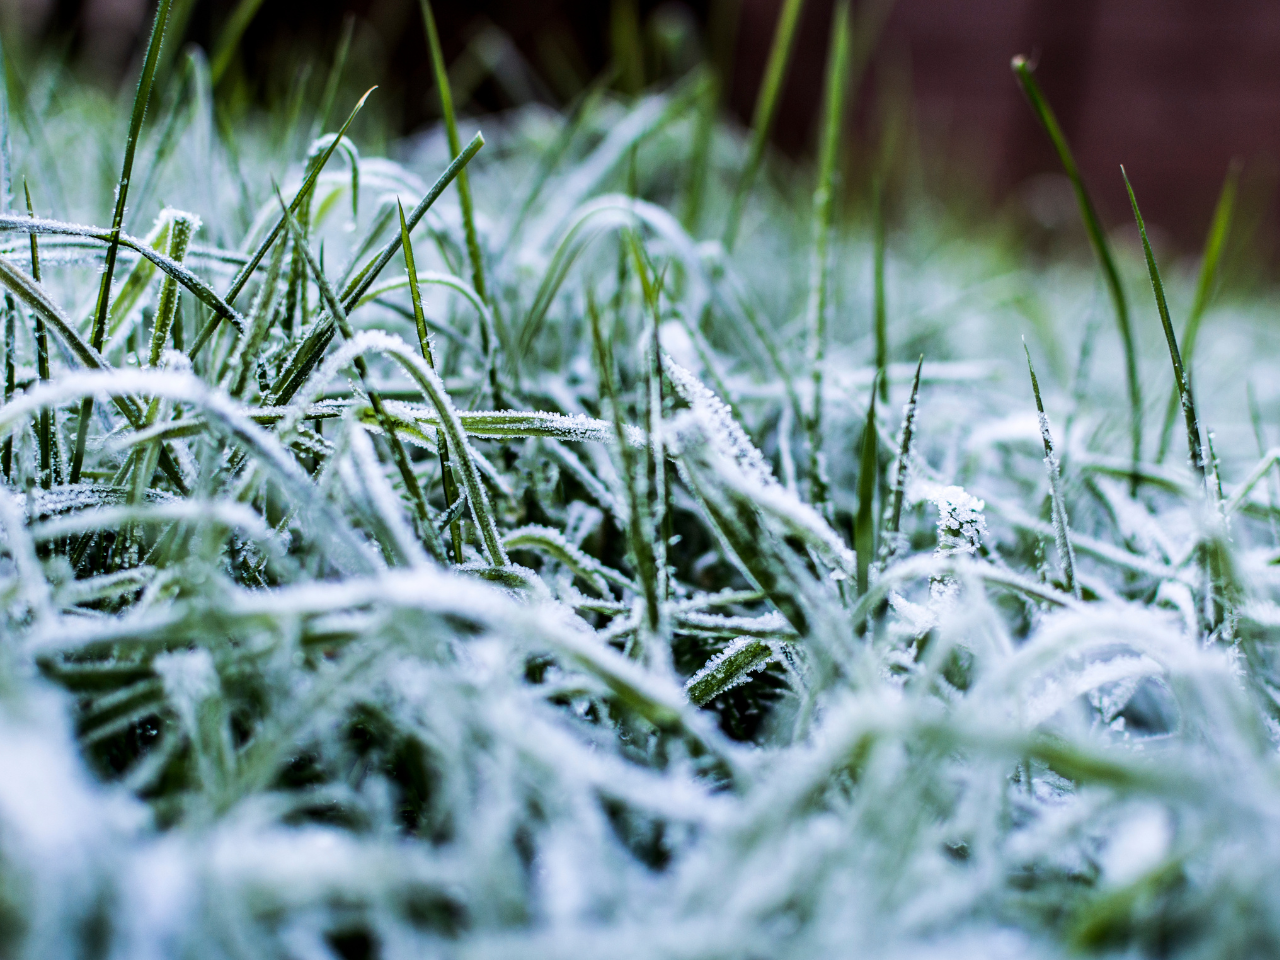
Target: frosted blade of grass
column 1098, row 239
column 1061, row 531
column 832, row 127
column 732, row 666
column 902, row 468
column 864, row 534
column 42, row 360
column 180, row 231
column 552, row 542
column 10, row 311
column 398, row 451
column 766, row 107
column 1206, row 286
column 446, row 472
column 299, row 199
column 1255, row 417
column 140, row 99
column 1179, row 373
column 455, row 147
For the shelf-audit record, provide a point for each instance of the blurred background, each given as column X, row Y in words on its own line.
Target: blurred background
column 1174, row 89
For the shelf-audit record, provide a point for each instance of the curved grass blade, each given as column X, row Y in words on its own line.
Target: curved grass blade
column 1101, row 247
column 893, row 527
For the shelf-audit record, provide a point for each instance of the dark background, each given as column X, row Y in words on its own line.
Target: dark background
column 1174, row 89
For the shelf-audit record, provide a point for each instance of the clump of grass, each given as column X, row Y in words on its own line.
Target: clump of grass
column 403, row 569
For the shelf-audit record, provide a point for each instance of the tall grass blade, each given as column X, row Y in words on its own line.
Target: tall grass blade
column 880, row 309
column 46, row 426
column 819, row 271
column 224, row 49
column 901, row 472
column 1179, row 373
column 455, row 147
column 140, row 99
column 419, row 319
column 1101, row 247
column 864, row 533
column 1061, row 529
column 1206, row 286
column 766, row 107
column 334, row 80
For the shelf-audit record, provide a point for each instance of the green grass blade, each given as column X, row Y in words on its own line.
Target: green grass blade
column 1179, row 373
column 10, row 310
column 1097, row 238
column 420, row 322
column 864, row 534
column 45, row 429
column 901, row 470
column 1206, row 286
column 880, row 309
column 140, row 99
column 1062, row 532
column 455, row 147
column 180, row 231
column 820, row 266
column 766, row 107
column 331, row 85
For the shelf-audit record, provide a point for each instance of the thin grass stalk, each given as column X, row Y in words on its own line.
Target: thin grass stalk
column 455, row 147
column 424, row 341
column 762, row 119
column 655, row 460
column 1101, row 248
column 1179, row 373
column 229, row 37
column 398, row 451
column 330, row 95
column 1061, row 530
column 864, row 535
column 10, row 372
column 140, row 99
column 819, row 270
column 45, row 429
column 1206, row 286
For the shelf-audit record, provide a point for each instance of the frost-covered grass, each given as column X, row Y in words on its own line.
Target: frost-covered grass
column 521, row 601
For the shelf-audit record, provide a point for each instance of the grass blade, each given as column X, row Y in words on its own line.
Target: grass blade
column 864, row 534
column 880, row 310
column 420, row 321
column 766, row 106
column 1062, row 533
column 1206, row 285
column 455, row 147
column 42, row 359
column 140, row 99
column 819, row 271
column 892, row 544
column 229, row 36
column 1098, row 239
column 1179, row 373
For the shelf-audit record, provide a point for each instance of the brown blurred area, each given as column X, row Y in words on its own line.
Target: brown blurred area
column 1174, row 89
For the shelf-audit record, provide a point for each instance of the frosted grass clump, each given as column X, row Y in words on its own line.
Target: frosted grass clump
column 380, row 588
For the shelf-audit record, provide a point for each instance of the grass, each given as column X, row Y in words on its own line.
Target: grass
column 526, row 575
